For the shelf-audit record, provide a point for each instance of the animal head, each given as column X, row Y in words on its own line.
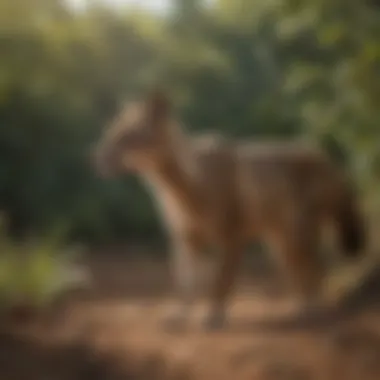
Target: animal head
column 137, row 139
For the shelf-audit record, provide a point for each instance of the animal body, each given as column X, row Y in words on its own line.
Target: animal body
column 214, row 192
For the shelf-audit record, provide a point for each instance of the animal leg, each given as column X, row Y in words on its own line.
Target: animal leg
column 186, row 267
column 223, row 282
column 296, row 247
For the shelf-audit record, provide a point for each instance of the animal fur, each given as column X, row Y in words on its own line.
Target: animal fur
column 215, row 192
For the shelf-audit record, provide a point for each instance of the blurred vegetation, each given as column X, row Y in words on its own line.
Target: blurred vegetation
column 37, row 272
column 247, row 68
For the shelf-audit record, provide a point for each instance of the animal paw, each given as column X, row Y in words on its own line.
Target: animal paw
column 314, row 313
column 214, row 321
column 174, row 322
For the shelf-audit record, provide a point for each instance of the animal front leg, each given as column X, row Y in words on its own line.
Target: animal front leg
column 186, row 268
column 225, row 276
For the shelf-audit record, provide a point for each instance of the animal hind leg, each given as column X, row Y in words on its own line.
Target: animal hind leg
column 296, row 244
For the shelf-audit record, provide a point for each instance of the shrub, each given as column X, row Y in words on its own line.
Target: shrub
column 36, row 272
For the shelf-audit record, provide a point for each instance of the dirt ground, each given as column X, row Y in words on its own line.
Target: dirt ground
column 114, row 332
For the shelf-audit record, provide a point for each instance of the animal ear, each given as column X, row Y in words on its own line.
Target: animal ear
column 158, row 104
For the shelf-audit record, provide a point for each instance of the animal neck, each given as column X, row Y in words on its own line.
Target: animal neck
column 176, row 174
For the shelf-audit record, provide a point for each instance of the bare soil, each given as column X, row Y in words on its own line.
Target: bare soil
column 114, row 331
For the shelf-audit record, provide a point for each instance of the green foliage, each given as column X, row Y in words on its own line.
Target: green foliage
column 247, row 68
column 36, row 272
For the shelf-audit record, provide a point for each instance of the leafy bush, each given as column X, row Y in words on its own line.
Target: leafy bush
column 35, row 272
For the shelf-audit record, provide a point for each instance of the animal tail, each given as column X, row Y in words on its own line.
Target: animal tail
column 352, row 230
